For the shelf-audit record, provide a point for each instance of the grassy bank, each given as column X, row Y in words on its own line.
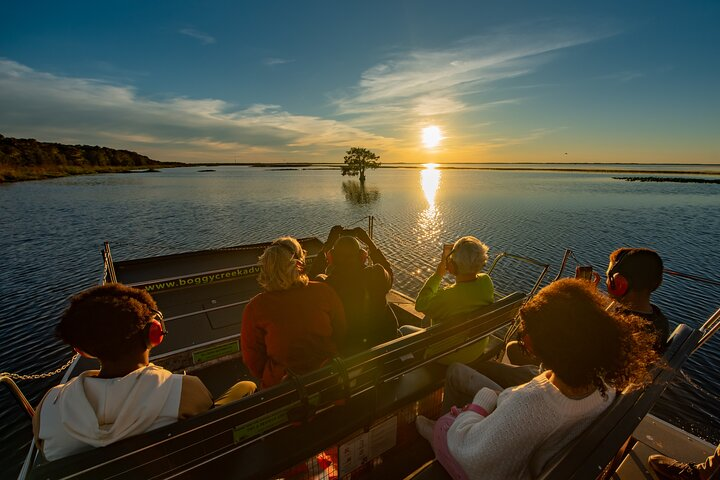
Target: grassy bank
column 19, row 174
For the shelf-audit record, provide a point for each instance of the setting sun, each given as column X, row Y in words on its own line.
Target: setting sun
column 431, row 136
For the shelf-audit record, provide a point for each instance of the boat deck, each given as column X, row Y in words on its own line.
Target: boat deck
column 657, row 436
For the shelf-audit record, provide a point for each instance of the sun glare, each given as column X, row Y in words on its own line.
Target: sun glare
column 431, row 136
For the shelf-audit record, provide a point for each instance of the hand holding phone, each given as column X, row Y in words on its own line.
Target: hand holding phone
column 586, row 273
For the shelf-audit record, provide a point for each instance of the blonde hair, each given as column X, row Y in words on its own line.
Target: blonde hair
column 469, row 255
column 282, row 264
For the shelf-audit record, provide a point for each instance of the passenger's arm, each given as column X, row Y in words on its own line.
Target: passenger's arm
column 375, row 254
column 319, row 264
column 487, row 444
column 252, row 340
column 427, row 293
column 194, row 397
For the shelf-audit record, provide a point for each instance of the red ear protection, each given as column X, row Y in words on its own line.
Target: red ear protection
column 617, row 285
column 154, row 331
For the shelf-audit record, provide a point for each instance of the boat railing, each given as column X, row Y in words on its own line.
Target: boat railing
column 17, row 394
column 708, row 329
column 109, row 275
column 299, row 417
column 531, row 261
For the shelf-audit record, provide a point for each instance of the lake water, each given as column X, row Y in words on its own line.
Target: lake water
column 52, row 232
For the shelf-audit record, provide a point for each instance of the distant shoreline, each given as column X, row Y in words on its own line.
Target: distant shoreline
column 20, row 174
column 499, row 167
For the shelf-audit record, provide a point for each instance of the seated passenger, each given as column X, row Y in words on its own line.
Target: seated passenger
column 128, row 396
column 295, row 325
column 362, row 288
column 632, row 275
column 513, row 433
column 471, row 290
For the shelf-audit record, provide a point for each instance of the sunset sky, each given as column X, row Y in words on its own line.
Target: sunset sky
column 414, row 81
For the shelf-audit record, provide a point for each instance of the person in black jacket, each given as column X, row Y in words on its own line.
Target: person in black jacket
column 362, row 287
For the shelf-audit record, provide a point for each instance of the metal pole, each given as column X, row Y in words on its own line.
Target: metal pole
column 18, row 395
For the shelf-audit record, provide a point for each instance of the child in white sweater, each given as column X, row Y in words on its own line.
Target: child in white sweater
column 589, row 353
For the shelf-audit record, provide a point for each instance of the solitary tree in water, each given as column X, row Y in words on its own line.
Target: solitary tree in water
column 357, row 160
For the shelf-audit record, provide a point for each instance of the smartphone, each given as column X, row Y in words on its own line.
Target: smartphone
column 584, row 273
column 447, row 248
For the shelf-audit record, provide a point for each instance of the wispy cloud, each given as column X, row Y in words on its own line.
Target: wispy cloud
column 272, row 61
column 456, row 80
column 81, row 110
column 622, row 77
column 204, row 38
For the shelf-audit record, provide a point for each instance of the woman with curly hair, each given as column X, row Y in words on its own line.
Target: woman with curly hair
column 589, row 353
column 295, row 325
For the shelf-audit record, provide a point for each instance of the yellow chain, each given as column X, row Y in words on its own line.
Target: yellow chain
column 18, row 376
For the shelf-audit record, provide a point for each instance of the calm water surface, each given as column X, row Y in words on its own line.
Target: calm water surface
column 52, row 232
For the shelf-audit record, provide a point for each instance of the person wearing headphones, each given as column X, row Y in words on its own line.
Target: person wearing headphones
column 472, row 289
column 362, row 288
column 632, row 275
column 128, row 396
column 295, row 325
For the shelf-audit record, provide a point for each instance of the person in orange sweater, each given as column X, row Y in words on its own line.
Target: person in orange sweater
column 295, row 325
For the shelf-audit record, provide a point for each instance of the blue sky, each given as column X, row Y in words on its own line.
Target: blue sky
column 290, row 81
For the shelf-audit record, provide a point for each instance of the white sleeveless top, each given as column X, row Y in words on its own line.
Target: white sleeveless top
column 90, row 412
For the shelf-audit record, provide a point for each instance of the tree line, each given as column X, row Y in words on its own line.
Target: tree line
column 28, row 152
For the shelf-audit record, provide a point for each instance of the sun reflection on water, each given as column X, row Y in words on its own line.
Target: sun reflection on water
column 430, row 181
column 429, row 226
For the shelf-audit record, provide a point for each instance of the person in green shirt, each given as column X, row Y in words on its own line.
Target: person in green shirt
column 464, row 260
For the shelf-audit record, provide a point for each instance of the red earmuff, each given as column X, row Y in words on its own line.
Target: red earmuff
column 154, row 330
column 617, row 285
column 154, row 334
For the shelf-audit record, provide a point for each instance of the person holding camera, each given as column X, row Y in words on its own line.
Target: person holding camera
column 362, row 288
column 464, row 260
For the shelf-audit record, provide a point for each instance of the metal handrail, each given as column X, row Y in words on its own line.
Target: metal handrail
column 21, row 399
column 108, row 266
column 709, row 328
column 531, row 261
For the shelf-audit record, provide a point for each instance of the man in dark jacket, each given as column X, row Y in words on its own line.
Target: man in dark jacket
column 363, row 288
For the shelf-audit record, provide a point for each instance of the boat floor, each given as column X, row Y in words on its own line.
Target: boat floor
column 657, row 436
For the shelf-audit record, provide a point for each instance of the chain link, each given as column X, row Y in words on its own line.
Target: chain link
column 37, row 376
